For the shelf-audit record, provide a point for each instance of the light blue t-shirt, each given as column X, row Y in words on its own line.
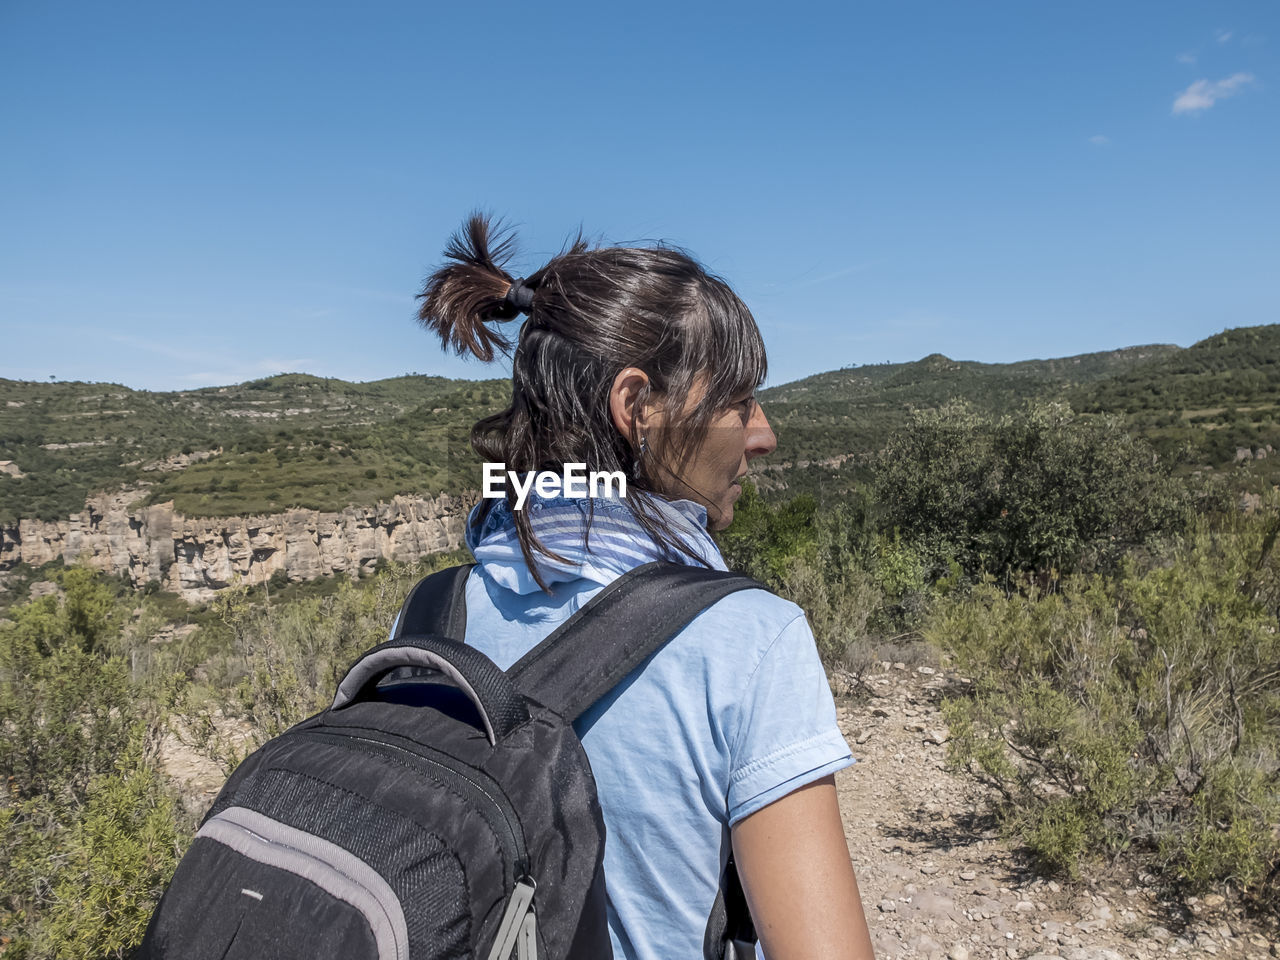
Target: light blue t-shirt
column 732, row 714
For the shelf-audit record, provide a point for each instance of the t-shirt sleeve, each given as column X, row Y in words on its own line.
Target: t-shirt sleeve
column 787, row 734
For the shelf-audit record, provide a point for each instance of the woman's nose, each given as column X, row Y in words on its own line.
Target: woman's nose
column 760, row 438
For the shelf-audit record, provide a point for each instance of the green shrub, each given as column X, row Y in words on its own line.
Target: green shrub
column 67, row 708
column 1043, row 490
column 838, row 609
column 114, row 867
column 1138, row 713
column 831, row 563
column 1225, row 837
column 285, row 660
column 88, row 832
column 764, row 541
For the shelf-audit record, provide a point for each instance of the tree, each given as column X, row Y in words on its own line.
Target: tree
column 1034, row 491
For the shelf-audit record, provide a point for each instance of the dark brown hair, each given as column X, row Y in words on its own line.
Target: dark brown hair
column 595, row 311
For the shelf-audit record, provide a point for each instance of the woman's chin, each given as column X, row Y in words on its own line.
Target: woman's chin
column 720, row 518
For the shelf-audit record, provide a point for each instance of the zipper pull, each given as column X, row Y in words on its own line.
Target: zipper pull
column 527, row 945
column 517, row 918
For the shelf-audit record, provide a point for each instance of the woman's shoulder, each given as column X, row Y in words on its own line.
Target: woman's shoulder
column 736, row 633
column 756, row 611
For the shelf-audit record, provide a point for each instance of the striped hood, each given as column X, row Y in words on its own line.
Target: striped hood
column 599, row 546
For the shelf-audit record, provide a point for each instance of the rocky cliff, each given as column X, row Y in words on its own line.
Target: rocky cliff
column 195, row 557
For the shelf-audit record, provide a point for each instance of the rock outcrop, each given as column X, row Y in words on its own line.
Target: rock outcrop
column 197, row 556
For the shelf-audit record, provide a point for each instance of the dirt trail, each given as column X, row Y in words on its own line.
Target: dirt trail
column 939, row 882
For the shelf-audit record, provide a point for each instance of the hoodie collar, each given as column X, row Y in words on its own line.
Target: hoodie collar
column 598, row 538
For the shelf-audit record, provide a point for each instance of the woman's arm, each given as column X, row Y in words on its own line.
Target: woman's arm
column 796, row 873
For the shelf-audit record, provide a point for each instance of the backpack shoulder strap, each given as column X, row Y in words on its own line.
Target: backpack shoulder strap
column 616, row 631
column 730, row 932
column 436, row 605
column 612, row 634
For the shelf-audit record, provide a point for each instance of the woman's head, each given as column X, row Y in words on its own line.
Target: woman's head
column 594, row 314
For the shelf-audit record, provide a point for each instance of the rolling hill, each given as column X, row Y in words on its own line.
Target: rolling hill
column 296, row 440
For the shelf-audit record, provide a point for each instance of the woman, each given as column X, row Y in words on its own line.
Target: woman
column 637, row 360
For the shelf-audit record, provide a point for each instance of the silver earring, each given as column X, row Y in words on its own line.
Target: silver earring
column 636, row 467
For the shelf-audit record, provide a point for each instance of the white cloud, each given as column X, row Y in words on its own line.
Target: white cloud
column 1223, row 35
column 1186, row 58
column 1099, row 140
column 1202, row 94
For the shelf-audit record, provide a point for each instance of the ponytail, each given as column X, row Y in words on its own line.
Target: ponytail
column 462, row 299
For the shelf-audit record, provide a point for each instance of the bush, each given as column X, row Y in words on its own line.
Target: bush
column 67, row 709
column 764, row 541
column 116, row 862
column 837, row 609
column 851, row 581
column 88, row 832
column 285, row 659
column 825, row 560
column 1042, row 491
column 1134, row 714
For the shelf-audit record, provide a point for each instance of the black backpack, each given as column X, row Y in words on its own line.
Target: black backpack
column 440, row 809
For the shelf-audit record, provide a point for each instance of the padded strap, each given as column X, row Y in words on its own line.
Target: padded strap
column 730, row 934
column 437, row 605
column 616, row 631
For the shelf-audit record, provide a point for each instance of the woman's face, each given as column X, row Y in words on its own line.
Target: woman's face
column 712, row 472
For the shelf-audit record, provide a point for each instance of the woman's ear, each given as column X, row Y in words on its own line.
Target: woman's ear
column 629, row 407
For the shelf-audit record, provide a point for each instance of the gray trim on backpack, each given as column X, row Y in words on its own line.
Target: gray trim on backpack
column 518, row 929
column 338, row 872
column 527, row 945
column 406, row 656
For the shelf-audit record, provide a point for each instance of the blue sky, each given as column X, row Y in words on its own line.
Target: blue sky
column 194, row 194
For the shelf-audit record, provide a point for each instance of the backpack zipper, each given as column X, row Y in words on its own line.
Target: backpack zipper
column 479, row 785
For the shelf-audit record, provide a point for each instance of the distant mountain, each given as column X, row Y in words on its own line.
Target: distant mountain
column 295, row 440
column 1240, row 366
column 1214, row 403
column 251, row 448
column 851, row 412
column 941, row 374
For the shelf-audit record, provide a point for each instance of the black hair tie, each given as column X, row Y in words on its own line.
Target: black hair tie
column 519, row 296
